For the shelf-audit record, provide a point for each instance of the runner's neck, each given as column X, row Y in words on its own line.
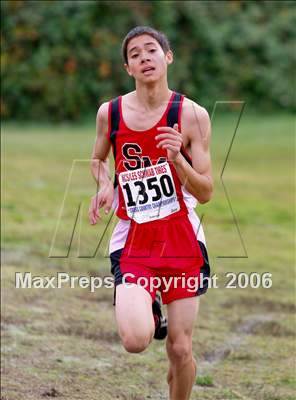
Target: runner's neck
column 152, row 97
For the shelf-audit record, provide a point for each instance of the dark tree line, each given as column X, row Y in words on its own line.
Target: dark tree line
column 61, row 59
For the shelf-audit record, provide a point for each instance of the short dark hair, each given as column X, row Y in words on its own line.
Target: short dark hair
column 145, row 30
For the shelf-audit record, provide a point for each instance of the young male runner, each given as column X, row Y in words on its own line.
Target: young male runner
column 160, row 142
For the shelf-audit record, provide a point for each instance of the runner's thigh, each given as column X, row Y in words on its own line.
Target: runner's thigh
column 134, row 311
column 181, row 316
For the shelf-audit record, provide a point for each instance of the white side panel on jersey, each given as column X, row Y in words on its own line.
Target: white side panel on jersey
column 119, row 235
column 196, row 225
column 189, row 200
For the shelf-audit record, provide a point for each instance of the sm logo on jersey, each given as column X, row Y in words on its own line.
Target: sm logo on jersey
column 133, row 159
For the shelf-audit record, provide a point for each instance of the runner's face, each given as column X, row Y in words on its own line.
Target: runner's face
column 146, row 59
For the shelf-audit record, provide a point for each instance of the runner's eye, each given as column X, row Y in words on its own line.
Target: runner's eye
column 152, row 50
column 134, row 55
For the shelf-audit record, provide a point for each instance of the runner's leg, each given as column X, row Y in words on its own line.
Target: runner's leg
column 134, row 317
column 182, row 372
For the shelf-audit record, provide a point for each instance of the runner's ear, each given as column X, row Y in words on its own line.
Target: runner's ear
column 126, row 67
column 169, row 57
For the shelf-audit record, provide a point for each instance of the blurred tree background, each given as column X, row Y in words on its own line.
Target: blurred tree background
column 61, row 59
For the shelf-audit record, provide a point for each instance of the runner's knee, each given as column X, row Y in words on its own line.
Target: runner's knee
column 135, row 343
column 179, row 350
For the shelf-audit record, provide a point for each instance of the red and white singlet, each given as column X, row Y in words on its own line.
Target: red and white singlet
column 158, row 229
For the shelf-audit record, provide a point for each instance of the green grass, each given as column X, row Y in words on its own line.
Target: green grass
column 206, row 380
column 65, row 341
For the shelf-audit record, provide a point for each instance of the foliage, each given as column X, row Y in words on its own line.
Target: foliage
column 61, row 59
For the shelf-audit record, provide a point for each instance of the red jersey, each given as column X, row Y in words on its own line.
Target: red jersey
column 158, row 234
column 147, row 187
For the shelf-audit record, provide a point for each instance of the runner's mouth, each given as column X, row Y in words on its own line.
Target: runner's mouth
column 148, row 69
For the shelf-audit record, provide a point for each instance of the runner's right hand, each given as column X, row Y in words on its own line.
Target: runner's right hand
column 103, row 199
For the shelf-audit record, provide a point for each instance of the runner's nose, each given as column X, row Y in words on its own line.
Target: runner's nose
column 145, row 57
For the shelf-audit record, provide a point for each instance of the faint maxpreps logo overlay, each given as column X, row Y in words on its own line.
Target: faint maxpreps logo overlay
column 73, row 229
column 89, row 240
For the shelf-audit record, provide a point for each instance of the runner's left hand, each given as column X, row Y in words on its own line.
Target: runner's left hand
column 170, row 139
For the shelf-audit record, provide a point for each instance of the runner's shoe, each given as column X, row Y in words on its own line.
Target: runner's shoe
column 161, row 326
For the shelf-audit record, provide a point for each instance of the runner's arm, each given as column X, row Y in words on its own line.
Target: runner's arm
column 100, row 168
column 99, row 159
column 197, row 179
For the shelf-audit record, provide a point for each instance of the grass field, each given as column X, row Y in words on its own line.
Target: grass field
column 63, row 342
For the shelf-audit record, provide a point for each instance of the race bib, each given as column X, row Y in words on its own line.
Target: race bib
column 149, row 193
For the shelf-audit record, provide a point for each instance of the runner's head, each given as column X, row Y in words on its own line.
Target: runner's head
column 146, row 53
